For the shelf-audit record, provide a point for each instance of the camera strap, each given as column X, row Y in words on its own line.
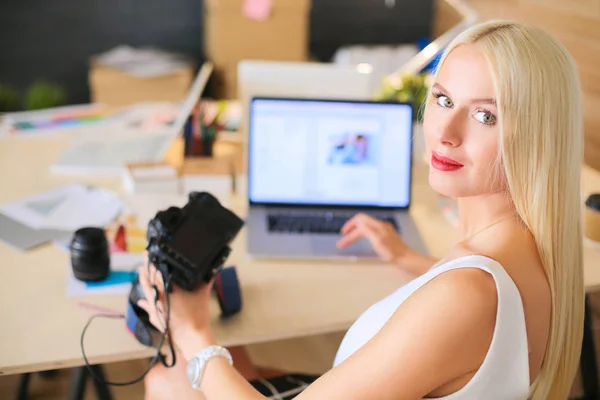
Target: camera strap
column 156, row 358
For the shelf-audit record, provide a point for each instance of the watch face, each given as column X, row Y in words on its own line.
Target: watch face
column 192, row 370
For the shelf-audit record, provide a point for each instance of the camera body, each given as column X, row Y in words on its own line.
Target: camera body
column 189, row 246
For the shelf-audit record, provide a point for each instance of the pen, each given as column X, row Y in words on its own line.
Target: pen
column 98, row 309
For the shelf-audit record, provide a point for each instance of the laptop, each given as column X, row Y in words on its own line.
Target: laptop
column 110, row 152
column 314, row 163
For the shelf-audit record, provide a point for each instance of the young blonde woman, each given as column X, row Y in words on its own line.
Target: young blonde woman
column 501, row 316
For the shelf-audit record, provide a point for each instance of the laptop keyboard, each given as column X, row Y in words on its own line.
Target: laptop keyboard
column 324, row 223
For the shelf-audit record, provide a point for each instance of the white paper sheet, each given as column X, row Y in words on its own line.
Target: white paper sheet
column 66, row 208
column 94, row 207
column 34, row 210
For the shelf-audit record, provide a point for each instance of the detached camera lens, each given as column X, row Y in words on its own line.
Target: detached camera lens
column 90, row 257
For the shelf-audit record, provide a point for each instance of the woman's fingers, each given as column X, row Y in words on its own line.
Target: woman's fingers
column 143, row 304
column 375, row 225
column 349, row 238
column 353, row 222
column 360, row 231
column 145, row 282
column 151, row 303
column 157, row 279
column 151, row 290
column 349, row 225
column 363, row 219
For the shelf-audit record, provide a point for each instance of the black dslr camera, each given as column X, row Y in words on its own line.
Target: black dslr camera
column 192, row 243
column 189, row 247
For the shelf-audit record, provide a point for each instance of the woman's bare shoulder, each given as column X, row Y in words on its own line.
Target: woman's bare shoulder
column 515, row 249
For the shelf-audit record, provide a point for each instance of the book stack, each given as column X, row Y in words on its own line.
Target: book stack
column 156, row 177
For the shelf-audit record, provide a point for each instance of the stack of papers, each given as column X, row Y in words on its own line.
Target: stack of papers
column 142, row 62
column 57, row 213
column 68, row 208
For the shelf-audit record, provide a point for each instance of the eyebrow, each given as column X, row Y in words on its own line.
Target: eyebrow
column 487, row 100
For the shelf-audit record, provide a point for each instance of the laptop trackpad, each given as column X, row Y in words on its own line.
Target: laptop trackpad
column 326, row 245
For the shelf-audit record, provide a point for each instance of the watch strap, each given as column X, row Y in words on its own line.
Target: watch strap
column 202, row 358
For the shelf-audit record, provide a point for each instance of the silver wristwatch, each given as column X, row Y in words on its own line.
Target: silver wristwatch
column 197, row 363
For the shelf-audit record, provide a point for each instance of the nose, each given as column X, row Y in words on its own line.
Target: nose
column 450, row 128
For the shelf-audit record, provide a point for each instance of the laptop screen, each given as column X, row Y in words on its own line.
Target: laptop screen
column 323, row 152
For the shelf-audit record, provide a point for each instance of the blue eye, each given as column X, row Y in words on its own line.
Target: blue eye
column 485, row 117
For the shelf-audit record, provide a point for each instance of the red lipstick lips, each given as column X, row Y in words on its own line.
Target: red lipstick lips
column 443, row 163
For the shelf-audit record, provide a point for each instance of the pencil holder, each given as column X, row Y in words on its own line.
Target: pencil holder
column 201, row 131
column 207, row 147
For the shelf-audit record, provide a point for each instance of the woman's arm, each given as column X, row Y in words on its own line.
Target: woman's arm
column 440, row 333
column 386, row 242
column 220, row 380
column 415, row 263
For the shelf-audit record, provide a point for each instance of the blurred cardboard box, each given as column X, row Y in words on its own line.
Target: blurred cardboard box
column 232, row 33
column 224, row 82
column 124, row 76
column 116, row 88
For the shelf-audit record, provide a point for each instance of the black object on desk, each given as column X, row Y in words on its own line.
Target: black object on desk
column 188, row 246
column 337, row 23
column 90, row 257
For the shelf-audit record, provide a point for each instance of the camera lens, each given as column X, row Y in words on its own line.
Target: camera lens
column 90, row 256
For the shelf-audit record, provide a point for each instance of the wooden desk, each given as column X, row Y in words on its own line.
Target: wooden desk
column 41, row 327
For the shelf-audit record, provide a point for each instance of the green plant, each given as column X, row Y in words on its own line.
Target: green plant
column 408, row 88
column 9, row 98
column 44, row 94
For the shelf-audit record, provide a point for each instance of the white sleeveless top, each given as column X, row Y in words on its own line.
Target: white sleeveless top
column 504, row 374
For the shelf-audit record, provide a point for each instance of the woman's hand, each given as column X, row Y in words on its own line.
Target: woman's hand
column 189, row 311
column 384, row 239
column 386, row 242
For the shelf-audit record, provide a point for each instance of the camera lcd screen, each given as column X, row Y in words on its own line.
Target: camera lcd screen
column 196, row 241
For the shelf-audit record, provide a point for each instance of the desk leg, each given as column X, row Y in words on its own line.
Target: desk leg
column 23, row 387
column 589, row 369
column 102, row 390
column 78, row 381
column 48, row 374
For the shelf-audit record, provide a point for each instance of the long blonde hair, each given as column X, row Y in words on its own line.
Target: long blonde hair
column 539, row 106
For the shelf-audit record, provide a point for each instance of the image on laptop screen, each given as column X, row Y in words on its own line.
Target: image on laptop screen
column 324, row 152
